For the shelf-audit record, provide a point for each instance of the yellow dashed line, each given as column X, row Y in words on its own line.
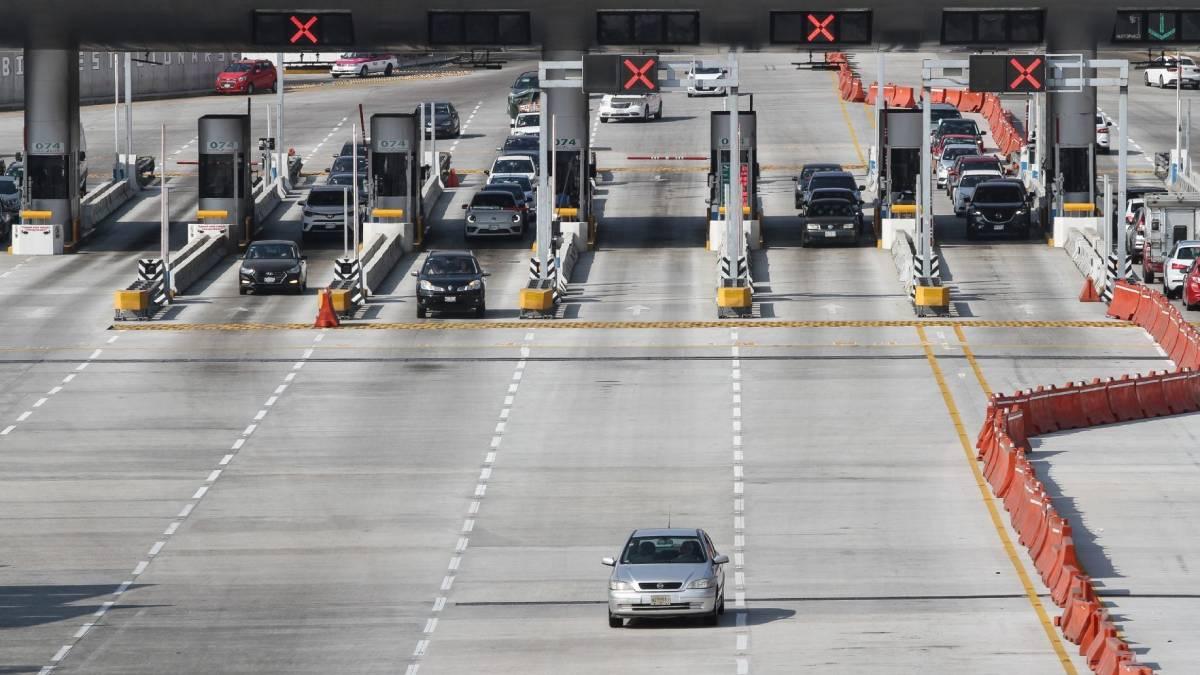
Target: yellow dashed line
column 986, row 495
column 567, row 324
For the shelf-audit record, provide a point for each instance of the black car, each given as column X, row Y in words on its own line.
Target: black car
column 998, row 206
column 451, row 281
column 445, row 122
column 273, row 265
column 521, row 145
column 513, row 189
column 942, row 111
column 831, row 220
column 348, row 148
column 807, row 172
column 831, row 179
column 344, row 164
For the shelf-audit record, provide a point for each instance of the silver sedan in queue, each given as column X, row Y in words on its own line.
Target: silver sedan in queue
column 668, row 572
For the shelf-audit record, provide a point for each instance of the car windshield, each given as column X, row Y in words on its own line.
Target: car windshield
column 808, row 171
column 521, row 143
column 512, row 166
column 527, row 120
column 271, row 252
column 520, row 181
column 348, row 179
column 326, row 197
column 493, row 200
column 526, row 81
column 830, row 207
column 342, row 165
column 958, row 126
column 348, row 148
column 972, row 181
column 958, row 151
column 1004, row 194
column 506, row 188
column 819, row 181
column 449, row 265
column 708, row 71
column 357, row 55
column 8, row 187
column 238, row 68
column 937, row 114
column 659, row 550
column 1187, row 252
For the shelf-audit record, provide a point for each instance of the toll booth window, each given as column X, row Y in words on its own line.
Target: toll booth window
column 216, row 176
column 479, row 28
column 1075, row 170
column 48, row 177
column 389, row 171
column 961, row 27
column 903, row 168
column 647, row 27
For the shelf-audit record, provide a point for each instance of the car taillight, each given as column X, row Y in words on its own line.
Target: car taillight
column 1179, row 266
column 1172, row 69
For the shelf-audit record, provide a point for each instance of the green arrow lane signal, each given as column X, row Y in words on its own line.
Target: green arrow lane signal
column 1162, row 33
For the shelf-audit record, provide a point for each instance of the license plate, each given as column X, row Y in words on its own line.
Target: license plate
column 330, row 226
column 493, row 227
column 269, row 279
column 997, row 227
column 659, row 600
column 831, row 234
column 451, row 298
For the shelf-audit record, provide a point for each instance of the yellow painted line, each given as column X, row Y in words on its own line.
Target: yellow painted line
column 846, row 116
column 568, row 324
column 962, row 341
column 986, row 495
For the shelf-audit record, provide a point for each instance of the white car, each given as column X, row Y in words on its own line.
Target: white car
column 702, row 82
column 638, row 107
column 527, row 124
column 966, row 188
column 1164, row 72
column 514, row 165
column 1103, row 125
column 1175, row 268
column 363, row 64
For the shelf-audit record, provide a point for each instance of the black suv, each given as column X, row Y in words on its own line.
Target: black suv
column 998, row 206
column 451, row 281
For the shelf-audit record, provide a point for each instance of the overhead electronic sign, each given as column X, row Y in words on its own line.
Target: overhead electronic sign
column 1157, row 26
column 303, row 29
column 821, row 27
column 620, row 73
column 1008, row 73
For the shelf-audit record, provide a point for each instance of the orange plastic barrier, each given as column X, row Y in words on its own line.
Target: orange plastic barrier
column 1162, row 321
column 937, row 95
column 856, row 91
column 1176, row 329
column 1093, row 399
column 1068, row 409
column 953, row 96
column 970, row 102
column 903, row 98
column 1191, row 352
column 1150, row 395
column 1180, row 391
column 1123, row 400
column 1126, row 297
column 1147, row 307
column 871, row 93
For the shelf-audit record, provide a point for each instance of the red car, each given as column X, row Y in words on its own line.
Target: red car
column 246, row 77
column 1191, row 287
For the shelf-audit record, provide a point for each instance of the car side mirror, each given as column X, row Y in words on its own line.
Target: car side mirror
column 486, row 274
column 301, row 203
column 415, row 273
column 487, row 172
column 721, row 560
column 465, row 206
column 608, row 561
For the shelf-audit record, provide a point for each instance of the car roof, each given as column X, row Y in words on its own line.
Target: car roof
column 982, row 172
column 1002, row 181
column 833, row 173
column 819, row 165
column 456, row 253
column 1189, row 243
column 511, row 157
column 273, row 241
column 327, row 187
column 666, row 532
column 827, row 190
column 973, row 158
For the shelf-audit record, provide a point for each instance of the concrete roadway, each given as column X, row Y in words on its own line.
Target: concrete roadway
column 438, row 500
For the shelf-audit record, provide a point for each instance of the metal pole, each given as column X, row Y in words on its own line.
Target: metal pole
column 267, row 177
column 1109, row 223
column 1122, row 169
column 345, row 224
column 116, row 68
column 354, row 183
column 130, row 158
column 164, row 245
column 554, row 164
column 733, row 205
column 878, row 87
column 925, row 213
column 280, row 148
column 544, row 201
column 1177, row 161
column 434, row 164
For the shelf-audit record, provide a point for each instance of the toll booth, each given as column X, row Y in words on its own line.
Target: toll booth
column 224, row 172
column 570, row 159
column 394, row 176
column 899, row 132
column 55, row 170
column 1073, row 155
column 718, row 168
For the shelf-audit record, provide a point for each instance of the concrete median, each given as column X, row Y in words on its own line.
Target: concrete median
column 102, row 202
column 198, row 257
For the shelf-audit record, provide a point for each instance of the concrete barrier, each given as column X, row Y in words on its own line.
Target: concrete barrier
column 716, row 234
column 1064, row 224
column 101, row 202
column 267, row 200
column 200, row 255
column 385, row 245
column 891, row 227
column 568, row 255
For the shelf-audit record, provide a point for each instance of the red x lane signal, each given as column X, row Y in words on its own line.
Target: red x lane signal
column 821, row 28
column 1026, row 73
column 643, row 77
column 304, row 29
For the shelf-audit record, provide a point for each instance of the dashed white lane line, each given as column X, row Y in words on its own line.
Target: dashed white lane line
column 466, row 125
column 66, row 380
column 742, row 634
column 468, row 525
column 210, row 480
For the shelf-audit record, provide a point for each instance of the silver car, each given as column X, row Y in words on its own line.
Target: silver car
column 667, row 573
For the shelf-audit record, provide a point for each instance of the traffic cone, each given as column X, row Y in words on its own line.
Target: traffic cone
column 452, row 179
column 1088, row 294
column 326, row 317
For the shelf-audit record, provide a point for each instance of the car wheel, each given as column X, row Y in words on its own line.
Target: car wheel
column 336, row 76
column 604, row 120
column 1147, row 275
column 362, row 72
column 615, row 621
column 388, row 71
column 1161, row 83
column 713, row 618
column 1147, row 79
column 422, row 312
column 480, row 311
column 241, row 291
column 721, row 605
column 275, row 86
column 250, row 89
column 971, row 235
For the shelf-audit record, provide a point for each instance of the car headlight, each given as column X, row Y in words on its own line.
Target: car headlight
column 295, row 270
column 245, row 271
column 516, row 217
column 470, row 218
column 977, row 213
column 307, row 213
column 812, row 226
column 1019, row 212
column 848, row 226
column 703, row 583
column 427, row 286
column 620, row 586
column 473, row 286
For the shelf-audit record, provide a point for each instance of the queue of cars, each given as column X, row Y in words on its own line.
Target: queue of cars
column 830, row 204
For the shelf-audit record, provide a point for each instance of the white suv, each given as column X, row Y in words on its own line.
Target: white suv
column 1175, row 268
column 1164, row 72
column 639, row 107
